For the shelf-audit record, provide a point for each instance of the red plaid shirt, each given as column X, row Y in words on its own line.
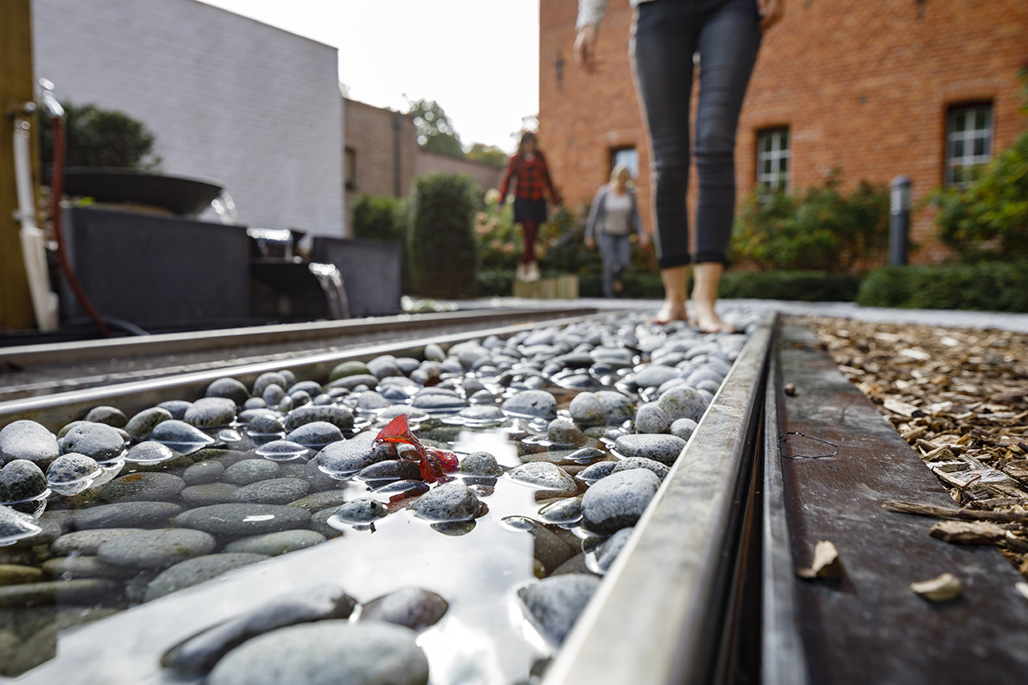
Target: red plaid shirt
column 533, row 178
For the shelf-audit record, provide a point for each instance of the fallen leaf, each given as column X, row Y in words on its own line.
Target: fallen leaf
column 942, row 588
column 968, row 532
column 826, row 562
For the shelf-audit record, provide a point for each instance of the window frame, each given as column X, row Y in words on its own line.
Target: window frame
column 967, row 138
column 350, row 168
column 613, row 156
column 769, row 182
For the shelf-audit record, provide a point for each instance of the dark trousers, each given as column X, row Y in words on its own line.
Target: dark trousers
column 666, row 34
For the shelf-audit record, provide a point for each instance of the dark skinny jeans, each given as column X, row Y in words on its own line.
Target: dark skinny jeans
column 666, row 34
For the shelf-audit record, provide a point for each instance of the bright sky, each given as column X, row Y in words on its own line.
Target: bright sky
column 479, row 59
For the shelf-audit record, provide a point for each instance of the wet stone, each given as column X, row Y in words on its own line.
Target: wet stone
column 262, row 382
column 616, row 407
column 149, row 452
column 197, row 570
column 243, row 519
column 448, row 502
column 15, row 526
column 77, row 592
column 683, row 403
column 180, row 436
column 96, row 440
column 320, row 523
column 112, row 416
column 340, row 417
column 124, row 514
column 229, row 388
column 154, row 549
column 364, row 510
column 609, row 549
column 346, row 369
column 481, row 414
column 658, row 447
column 142, row 424
column 274, row 544
column 563, row 511
column 660, row 470
column 480, row 464
column 564, row 433
column 208, row 493
column 198, row 654
column 650, row 418
column 617, row 501
column 548, row 548
column 177, row 408
column 326, row 652
column 265, row 422
column 439, row 401
column 555, row 603
column 21, row 479
column 683, row 428
column 141, row 487
column 87, row 542
column 320, row 500
column 370, row 400
column 349, row 456
column 250, row 471
column 531, row 404
column 393, row 469
column 85, row 567
column 554, row 480
column 434, row 353
column 13, row 574
column 27, row 439
column 651, row 376
column 355, row 381
column 203, row 472
column 587, row 410
column 413, row 608
column 315, row 435
column 273, row 491
column 384, row 366
column 208, row 412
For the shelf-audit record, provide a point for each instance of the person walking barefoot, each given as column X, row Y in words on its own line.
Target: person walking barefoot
column 665, row 36
column 528, row 166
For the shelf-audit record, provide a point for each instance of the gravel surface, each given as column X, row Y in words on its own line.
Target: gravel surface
column 959, row 397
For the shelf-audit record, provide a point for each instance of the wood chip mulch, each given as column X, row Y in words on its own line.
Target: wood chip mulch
column 959, row 397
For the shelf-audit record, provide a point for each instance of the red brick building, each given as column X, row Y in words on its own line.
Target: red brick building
column 878, row 89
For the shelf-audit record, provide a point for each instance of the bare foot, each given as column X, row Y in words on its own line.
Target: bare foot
column 670, row 311
column 707, row 320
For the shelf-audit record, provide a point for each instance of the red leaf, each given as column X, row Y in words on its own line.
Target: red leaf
column 398, row 430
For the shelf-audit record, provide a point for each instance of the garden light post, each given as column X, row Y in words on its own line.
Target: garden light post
column 899, row 220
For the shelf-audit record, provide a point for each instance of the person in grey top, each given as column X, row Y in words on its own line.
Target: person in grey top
column 666, row 37
column 613, row 215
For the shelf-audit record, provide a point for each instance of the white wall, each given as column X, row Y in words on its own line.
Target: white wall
column 226, row 97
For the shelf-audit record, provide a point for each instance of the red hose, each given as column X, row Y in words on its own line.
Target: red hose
column 55, row 214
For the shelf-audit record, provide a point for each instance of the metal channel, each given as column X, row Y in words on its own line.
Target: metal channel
column 782, row 658
column 179, row 343
column 659, row 616
column 59, row 409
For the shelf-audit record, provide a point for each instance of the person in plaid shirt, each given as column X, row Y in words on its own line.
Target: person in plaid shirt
column 528, row 166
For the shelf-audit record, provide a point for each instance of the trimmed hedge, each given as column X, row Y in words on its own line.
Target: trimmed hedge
column 991, row 286
column 803, row 286
column 441, row 241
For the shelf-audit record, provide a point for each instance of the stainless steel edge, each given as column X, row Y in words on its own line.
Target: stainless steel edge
column 177, row 343
column 56, row 410
column 651, row 621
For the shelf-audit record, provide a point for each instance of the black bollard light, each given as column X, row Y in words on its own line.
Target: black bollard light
column 899, row 220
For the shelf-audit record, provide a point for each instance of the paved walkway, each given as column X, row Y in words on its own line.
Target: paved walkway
column 1017, row 323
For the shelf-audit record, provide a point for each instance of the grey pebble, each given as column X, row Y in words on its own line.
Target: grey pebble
column 87, row 542
column 448, row 502
column 154, row 549
column 197, row 570
column 26, row 439
column 414, row 608
column 656, row 446
column 203, row 472
column 243, row 519
column 250, row 471
column 273, row 491
column 555, row 603
column 206, row 494
column 274, row 544
column 531, row 403
column 124, row 514
column 141, row 487
column 96, row 440
column 617, row 501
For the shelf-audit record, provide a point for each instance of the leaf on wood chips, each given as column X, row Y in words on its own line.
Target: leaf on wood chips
column 1022, row 587
column 826, row 562
column 968, row 532
column 902, row 408
column 939, row 589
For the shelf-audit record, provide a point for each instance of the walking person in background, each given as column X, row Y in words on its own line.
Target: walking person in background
column 528, row 166
column 666, row 34
column 613, row 215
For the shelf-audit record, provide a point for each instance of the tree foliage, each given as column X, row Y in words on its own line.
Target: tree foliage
column 488, row 154
column 441, row 241
column 434, row 128
column 97, row 137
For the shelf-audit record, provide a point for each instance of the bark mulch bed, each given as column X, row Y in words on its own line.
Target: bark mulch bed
column 959, row 397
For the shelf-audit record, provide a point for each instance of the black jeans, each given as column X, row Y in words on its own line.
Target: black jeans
column 666, row 34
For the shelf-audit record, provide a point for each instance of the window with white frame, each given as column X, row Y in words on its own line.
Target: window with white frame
column 773, row 157
column 628, row 156
column 968, row 141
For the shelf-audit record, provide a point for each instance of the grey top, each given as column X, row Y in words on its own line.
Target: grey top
column 600, row 221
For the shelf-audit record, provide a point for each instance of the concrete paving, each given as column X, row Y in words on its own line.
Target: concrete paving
column 1017, row 323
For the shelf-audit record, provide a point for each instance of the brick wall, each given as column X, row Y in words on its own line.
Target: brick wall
column 226, row 97
column 485, row 175
column 383, row 147
column 864, row 86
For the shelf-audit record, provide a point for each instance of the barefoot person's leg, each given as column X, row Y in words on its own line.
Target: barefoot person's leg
column 706, row 277
column 676, row 286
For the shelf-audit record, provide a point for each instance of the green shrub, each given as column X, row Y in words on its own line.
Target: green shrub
column 824, row 230
column 805, row 286
column 988, row 219
column 441, row 240
column 986, row 286
column 380, row 217
column 96, row 137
